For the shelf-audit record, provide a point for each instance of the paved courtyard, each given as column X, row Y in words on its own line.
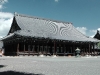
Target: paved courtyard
column 34, row 65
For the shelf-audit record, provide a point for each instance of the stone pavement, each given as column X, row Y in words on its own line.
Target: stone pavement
column 33, row 65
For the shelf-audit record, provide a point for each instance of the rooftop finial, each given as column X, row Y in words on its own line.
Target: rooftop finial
column 15, row 13
column 97, row 31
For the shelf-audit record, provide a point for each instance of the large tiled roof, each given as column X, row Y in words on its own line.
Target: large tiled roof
column 39, row 27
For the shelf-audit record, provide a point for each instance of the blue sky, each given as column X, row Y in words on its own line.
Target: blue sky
column 84, row 14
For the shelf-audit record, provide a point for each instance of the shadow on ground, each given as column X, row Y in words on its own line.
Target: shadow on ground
column 16, row 73
column 1, row 66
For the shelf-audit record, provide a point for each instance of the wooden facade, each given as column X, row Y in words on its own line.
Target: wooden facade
column 37, row 46
column 23, row 41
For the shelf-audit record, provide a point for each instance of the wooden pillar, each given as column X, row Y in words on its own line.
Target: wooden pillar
column 73, row 49
column 54, row 48
column 89, row 48
column 46, row 50
column 38, row 49
column 93, row 47
column 18, row 49
column 81, row 48
column 42, row 49
column 64, row 49
column 97, row 51
column 29, row 50
column 85, row 51
column 24, row 48
column 92, row 50
column 33, row 49
column 12, row 49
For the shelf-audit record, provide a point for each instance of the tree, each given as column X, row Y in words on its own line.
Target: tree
column 98, row 45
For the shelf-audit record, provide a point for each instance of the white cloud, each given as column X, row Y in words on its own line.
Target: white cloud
column 5, row 15
column 82, row 29
column 56, row 0
column 5, row 20
column 92, row 32
column 87, row 32
column 5, row 23
column 1, row 7
column 98, row 29
column 2, row 2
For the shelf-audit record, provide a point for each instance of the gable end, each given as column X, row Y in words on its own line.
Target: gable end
column 14, row 27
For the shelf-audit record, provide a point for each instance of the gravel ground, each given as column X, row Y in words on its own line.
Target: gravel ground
column 33, row 65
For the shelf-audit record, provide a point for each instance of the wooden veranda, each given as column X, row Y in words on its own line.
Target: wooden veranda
column 37, row 46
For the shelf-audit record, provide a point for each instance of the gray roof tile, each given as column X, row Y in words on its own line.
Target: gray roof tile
column 39, row 27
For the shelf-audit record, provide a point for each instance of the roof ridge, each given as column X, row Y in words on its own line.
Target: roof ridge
column 23, row 15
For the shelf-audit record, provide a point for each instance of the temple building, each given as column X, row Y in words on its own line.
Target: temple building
column 35, row 36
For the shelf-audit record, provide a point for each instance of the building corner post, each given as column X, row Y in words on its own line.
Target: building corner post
column 18, row 49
